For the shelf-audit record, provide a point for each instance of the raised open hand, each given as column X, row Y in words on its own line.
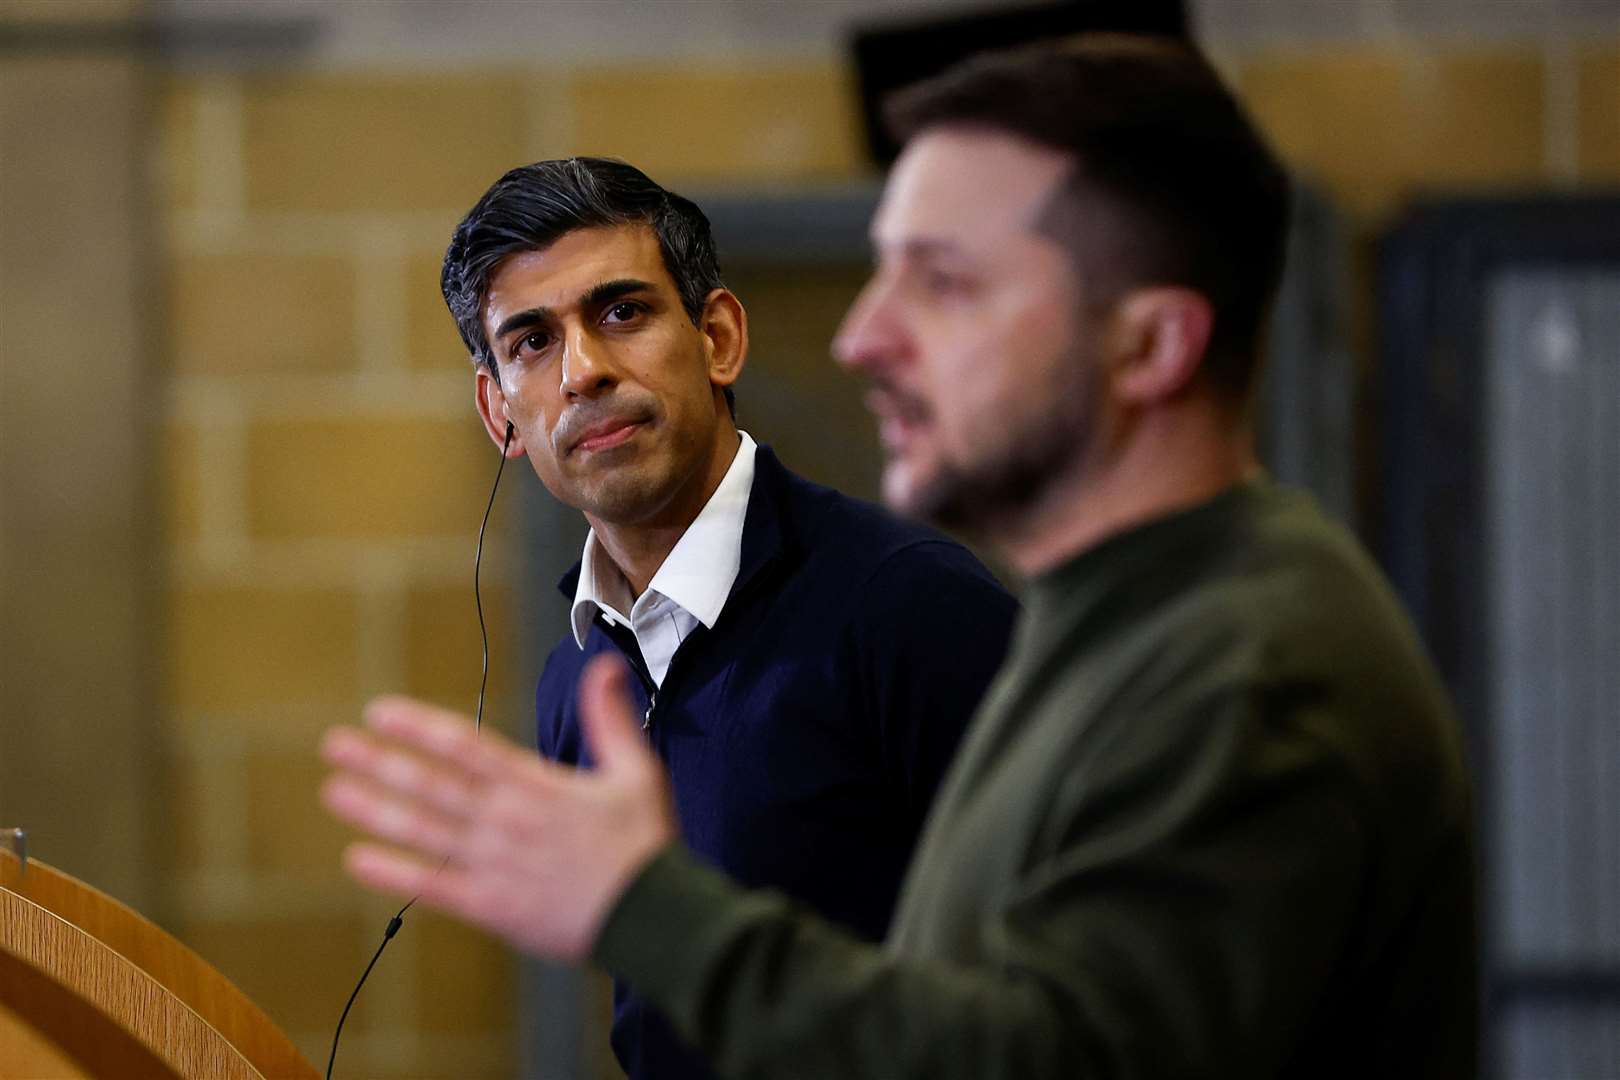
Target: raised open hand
column 532, row 851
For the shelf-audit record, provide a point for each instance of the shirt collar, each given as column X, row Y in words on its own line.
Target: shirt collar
column 699, row 571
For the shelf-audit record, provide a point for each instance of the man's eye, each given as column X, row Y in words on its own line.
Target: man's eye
column 623, row 311
column 534, row 341
column 944, row 283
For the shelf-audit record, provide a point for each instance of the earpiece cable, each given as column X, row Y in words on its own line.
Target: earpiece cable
column 478, row 600
column 478, row 724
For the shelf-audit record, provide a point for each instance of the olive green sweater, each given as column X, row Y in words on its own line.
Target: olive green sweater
column 1211, row 820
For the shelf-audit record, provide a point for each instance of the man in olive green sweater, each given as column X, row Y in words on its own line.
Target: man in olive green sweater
column 1212, row 819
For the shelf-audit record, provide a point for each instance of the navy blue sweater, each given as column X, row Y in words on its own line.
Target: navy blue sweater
column 806, row 732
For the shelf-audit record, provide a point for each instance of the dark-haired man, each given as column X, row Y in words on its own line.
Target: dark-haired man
column 1212, row 819
column 804, row 663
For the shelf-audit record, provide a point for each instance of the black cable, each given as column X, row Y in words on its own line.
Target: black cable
column 478, row 559
column 478, row 723
column 393, row 928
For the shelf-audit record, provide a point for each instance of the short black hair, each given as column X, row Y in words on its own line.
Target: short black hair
column 1158, row 137
column 533, row 206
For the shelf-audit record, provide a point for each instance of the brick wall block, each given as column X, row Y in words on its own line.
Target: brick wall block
column 1376, row 123
column 1598, row 122
column 443, row 647
column 246, row 646
column 300, row 971
column 467, row 979
column 682, row 125
column 1481, row 118
column 288, row 832
column 432, row 343
column 379, row 143
column 242, row 312
column 368, row 477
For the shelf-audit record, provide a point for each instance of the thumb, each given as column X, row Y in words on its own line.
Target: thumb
column 612, row 731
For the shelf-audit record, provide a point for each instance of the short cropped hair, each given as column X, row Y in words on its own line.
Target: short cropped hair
column 533, row 206
column 1162, row 143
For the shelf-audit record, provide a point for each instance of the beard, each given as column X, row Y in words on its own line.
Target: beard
column 1008, row 474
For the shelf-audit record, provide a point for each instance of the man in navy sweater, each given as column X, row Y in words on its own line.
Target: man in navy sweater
column 804, row 663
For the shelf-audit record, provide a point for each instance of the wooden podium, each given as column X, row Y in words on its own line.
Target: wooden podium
column 90, row 989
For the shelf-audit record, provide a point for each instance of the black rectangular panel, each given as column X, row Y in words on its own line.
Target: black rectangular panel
column 895, row 54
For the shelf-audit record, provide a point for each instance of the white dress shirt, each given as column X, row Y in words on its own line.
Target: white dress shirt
column 689, row 588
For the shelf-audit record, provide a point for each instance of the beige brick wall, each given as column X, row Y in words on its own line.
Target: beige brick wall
column 380, row 144
column 241, row 311
column 324, row 470
column 367, row 475
column 234, row 647
column 1598, row 102
column 324, row 477
column 685, row 124
column 1376, row 124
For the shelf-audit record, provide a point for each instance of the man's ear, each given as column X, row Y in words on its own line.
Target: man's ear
column 492, row 409
column 724, row 326
column 1158, row 338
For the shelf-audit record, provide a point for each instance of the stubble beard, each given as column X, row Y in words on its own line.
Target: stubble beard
column 1006, row 485
column 624, row 497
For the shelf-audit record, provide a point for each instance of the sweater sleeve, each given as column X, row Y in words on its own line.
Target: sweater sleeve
column 1184, row 921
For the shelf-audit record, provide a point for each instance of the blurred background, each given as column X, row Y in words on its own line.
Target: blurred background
column 240, row 474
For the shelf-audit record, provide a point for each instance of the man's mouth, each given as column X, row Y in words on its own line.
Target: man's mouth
column 899, row 416
column 607, row 434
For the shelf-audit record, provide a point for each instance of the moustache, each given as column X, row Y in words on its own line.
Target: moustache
column 884, row 398
column 590, row 419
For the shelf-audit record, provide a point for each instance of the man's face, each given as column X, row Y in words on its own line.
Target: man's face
column 970, row 331
column 609, row 386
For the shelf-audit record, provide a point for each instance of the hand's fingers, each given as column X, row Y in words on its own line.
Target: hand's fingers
column 438, row 733
column 436, row 884
column 388, row 870
column 609, row 720
column 403, row 821
column 451, row 739
column 447, row 789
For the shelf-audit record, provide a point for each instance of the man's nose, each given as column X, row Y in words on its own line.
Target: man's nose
column 588, row 367
column 871, row 335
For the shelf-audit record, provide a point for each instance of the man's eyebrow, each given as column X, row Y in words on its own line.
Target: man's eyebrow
column 930, row 246
column 608, row 291
column 923, row 247
column 597, row 295
column 519, row 320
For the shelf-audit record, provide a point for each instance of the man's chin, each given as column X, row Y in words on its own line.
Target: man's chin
column 927, row 495
column 626, row 497
column 904, row 488
column 960, row 501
